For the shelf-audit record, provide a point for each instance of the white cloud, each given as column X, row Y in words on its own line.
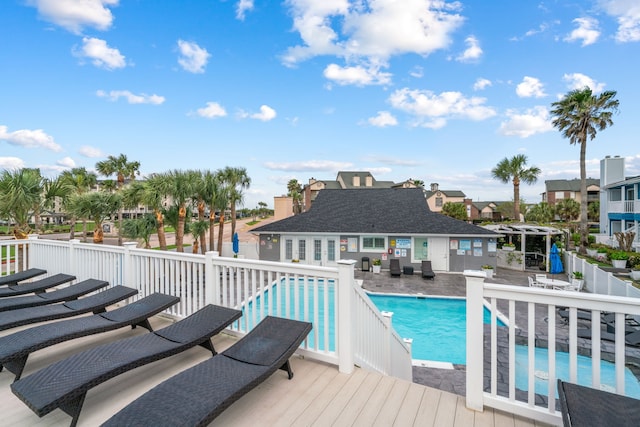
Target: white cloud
column 587, row 31
column 580, row 81
column 530, row 87
column 533, row 121
column 374, row 29
column 433, row 110
column 11, row 163
column 472, row 52
column 417, row 72
column 74, row 15
column 383, row 119
column 193, row 58
column 358, row 75
column 100, row 54
column 627, row 12
column 309, row 165
column 29, row 139
column 242, row 7
column 131, row 98
column 481, row 84
column 91, row 152
column 266, row 114
column 212, row 110
column 66, row 162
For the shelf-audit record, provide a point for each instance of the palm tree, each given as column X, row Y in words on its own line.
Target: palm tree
column 79, row 181
column 568, row 209
column 542, row 212
column 198, row 230
column 215, row 195
column 123, row 169
column 236, row 180
column 180, row 186
column 294, row 190
column 151, row 193
column 96, row 206
column 579, row 115
column 21, row 195
column 514, row 170
column 140, row 228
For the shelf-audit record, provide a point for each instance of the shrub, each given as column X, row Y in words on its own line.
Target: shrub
column 376, row 261
column 487, row 267
column 578, row 275
column 619, row 255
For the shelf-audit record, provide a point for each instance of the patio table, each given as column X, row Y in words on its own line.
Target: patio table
column 554, row 283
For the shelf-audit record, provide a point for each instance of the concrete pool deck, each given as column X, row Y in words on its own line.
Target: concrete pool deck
column 453, row 284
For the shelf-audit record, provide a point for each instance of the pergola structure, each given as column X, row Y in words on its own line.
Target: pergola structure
column 524, row 230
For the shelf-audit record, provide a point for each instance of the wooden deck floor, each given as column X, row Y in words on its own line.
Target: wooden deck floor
column 318, row 394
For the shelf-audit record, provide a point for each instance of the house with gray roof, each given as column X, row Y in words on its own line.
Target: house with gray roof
column 377, row 224
column 561, row 189
column 436, row 198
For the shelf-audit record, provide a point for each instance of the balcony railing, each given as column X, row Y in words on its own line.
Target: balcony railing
column 624, row 206
column 347, row 327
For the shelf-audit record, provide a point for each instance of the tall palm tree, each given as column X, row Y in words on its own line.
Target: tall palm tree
column 579, row 115
column 180, row 186
column 151, row 193
column 236, row 180
column 79, row 181
column 123, row 169
column 294, row 190
column 514, row 170
column 212, row 191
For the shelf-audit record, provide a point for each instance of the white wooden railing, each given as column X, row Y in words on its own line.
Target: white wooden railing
column 624, row 206
column 348, row 328
column 492, row 383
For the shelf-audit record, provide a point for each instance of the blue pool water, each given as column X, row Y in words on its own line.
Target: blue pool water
column 436, row 325
column 607, row 372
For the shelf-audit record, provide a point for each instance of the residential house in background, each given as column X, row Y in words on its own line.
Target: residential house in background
column 483, row 210
column 345, row 180
column 385, row 224
column 619, row 200
column 436, row 198
column 561, row 189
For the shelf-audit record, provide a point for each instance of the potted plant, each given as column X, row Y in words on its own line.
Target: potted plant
column 488, row 270
column 377, row 265
column 601, row 254
column 635, row 272
column 619, row 259
column 509, row 247
column 592, row 252
column 578, row 279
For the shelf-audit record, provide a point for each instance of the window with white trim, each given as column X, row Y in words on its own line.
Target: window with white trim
column 374, row 244
column 302, row 250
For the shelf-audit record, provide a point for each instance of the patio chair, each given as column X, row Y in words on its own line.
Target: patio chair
column 534, row 284
column 16, row 348
column 64, row 384
column 65, row 294
column 576, row 285
column 587, row 406
column 394, row 267
column 427, row 271
column 36, row 286
column 540, row 276
column 13, row 279
column 96, row 303
column 199, row 394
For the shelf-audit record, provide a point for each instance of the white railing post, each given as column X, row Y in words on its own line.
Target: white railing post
column 387, row 316
column 345, row 322
column 475, row 340
column 29, row 258
column 211, row 282
column 127, row 264
column 72, row 261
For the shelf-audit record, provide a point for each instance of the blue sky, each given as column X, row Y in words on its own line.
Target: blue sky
column 431, row 90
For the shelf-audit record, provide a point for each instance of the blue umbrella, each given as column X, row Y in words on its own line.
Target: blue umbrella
column 236, row 243
column 556, row 262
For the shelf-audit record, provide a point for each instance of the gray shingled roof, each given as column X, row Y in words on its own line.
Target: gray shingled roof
column 374, row 211
column 448, row 193
column 568, row 184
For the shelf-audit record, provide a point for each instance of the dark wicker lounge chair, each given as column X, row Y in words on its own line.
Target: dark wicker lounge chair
column 427, row 271
column 96, row 303
column 394, row 267
column 16, row 348
column 586, row 406
column 36, row 286
column 64, row 384
column 199, row 394
column 13, row 279
column 44, row 298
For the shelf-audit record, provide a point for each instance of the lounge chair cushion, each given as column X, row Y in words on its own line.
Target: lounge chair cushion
column 12, row 279
column 199, row 394
column 64, row 384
